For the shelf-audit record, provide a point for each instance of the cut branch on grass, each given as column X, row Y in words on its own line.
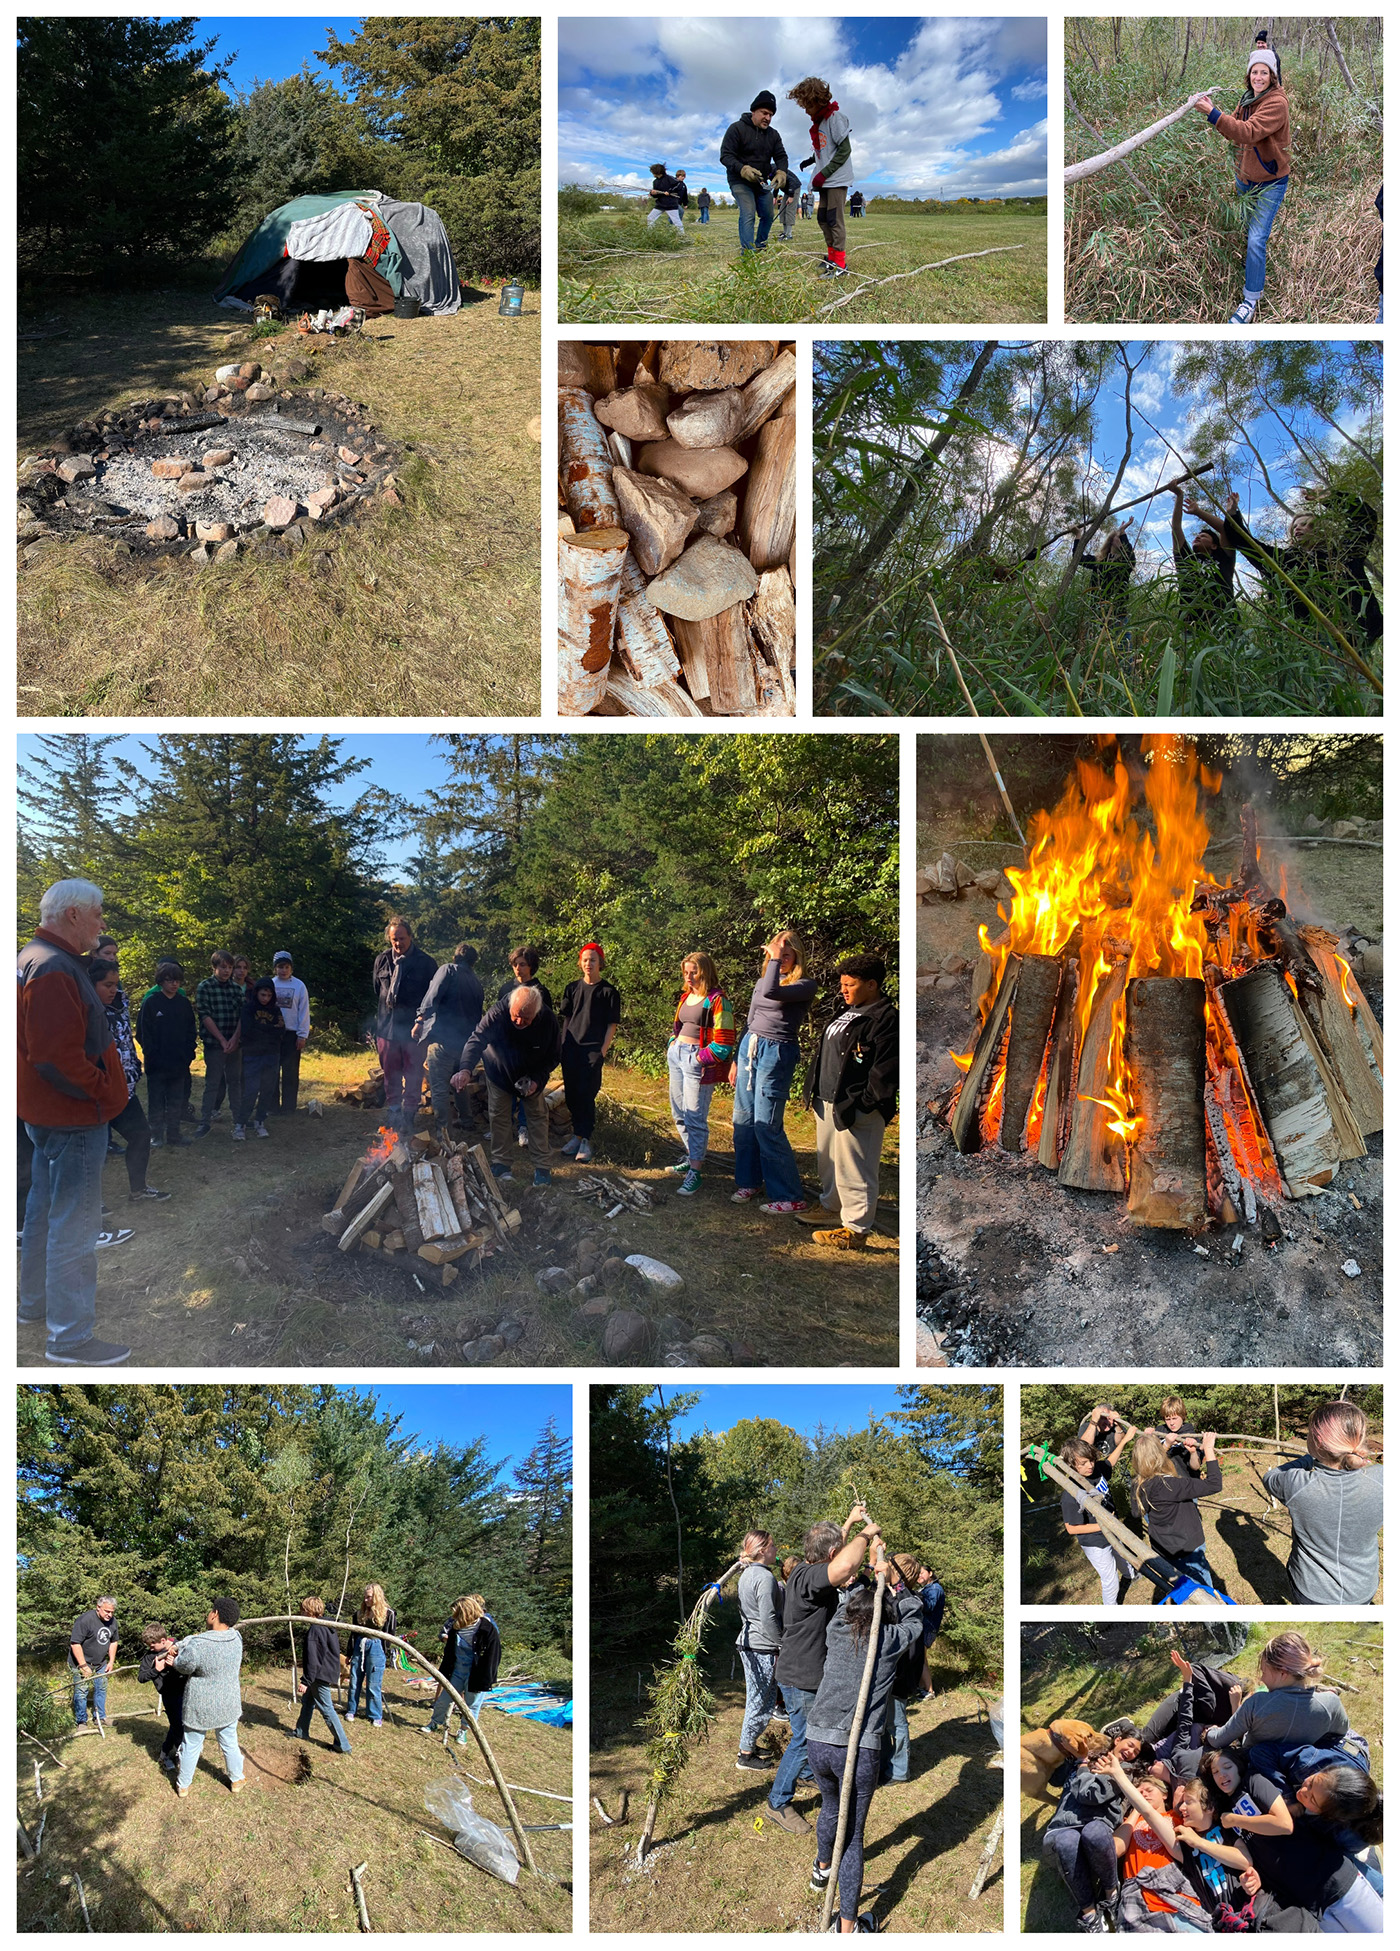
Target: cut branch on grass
column 871, row 283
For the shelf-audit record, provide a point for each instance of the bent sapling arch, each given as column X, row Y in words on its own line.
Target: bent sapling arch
column 1076, row 172
column 522, row 1844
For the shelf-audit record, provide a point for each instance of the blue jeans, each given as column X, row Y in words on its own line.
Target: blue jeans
column 690, row 1100
column 261, row 1073
column 793, row 1767
column 761, row 1147
column 1193, row 1565
column 99, row 1696
column 760, row 1691
column 899, row 1761
column 62, row 1219
column 755, row 206
column 322, row 1699
column 1264, row 201
column 461, row 1673
column 1085, row 1858
column 704, row 213
column 367, row 1671
column 192, row 1746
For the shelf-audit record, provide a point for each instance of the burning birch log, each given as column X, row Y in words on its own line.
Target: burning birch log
column 585, row 462
column 1059, row 1080
column 1095, row 1158
column 1166, row 1052
column 1076, row 172
column 966, row 1120
column 1283, row 1066
column 1036, row 990
column 590, row 582
column 1339, row 1032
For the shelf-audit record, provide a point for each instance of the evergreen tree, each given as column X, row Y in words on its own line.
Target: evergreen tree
column 286, row 137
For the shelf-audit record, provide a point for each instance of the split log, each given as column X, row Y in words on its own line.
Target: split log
column 590, row 580
column 656, row 514
column 630, row 699
column 1059, row 1081
column 772, row 616
column 401, row 1185
column 591, row 367
column 768, row 518
column 1166, row 1052
column 1283, row 1066
column 771, row 394
column 643, row 643
column 1031, row 1018
column 362, row 1220
column 352, row 1180
column 715, row 654
column 585, row 462
column 456, row 1183
column 620, row 447
column 1094, row 1157
column 966, row 1120
column 365, row 1190
column 436, row 1214
column 1338, row 1030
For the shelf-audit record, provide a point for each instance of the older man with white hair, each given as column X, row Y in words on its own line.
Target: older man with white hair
column 517, row 1043
column 71, row 1082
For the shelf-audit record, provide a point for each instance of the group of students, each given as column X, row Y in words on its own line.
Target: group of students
column 806, row 1637
column 1233, row 1809
column 1334, row 1497
column 198, row 1676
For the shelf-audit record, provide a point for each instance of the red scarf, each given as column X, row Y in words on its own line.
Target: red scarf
column 814, row 132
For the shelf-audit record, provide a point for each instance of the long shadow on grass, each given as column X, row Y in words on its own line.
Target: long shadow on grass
column 1244, row 1534
column 84, row 1813
column 962, row 1810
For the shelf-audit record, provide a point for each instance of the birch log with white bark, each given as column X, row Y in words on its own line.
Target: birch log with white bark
column 590, row 577
column 1076, row 172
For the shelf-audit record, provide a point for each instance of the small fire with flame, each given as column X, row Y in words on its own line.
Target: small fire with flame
column 1147, row 1028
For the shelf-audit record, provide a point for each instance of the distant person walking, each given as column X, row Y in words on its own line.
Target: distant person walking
column 213, row 1704
column 754, row 160
column 768, row 1052
column 590, row 1013
column 402, row 973
column 831, row 152
column 697, row 1059
column 368, row 1657
column 1259, row 131
column 320, row 1676
column 665, row 197
column 295, row 1006
column 702, row 204
column 70, row 1082
column 471, row 1659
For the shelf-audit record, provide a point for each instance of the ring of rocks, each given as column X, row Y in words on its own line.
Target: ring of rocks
column 249, row 464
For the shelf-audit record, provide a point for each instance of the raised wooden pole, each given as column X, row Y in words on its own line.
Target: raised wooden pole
column 1076, row 172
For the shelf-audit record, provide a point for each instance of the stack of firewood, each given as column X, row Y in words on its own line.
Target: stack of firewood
column 424, row 1197
column 677, row 529
column 369, row 1093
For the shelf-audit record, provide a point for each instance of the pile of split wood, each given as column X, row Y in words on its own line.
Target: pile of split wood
column 1257, row 1081
column 426, row 1198
column 369, row 1093
column 677, row 529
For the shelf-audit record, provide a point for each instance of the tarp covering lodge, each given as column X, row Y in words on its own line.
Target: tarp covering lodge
column 302, row 249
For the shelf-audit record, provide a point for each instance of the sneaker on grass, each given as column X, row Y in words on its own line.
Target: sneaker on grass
column 89, row 1354
column 689, row 1185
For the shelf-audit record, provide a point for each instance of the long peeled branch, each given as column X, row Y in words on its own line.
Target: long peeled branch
column 522, row 1846
column 1076, row 172
column 1164, row 488
column 852, row 1751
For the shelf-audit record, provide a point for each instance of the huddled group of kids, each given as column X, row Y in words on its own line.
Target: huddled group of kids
column 1334, row 1497
column 198, row 1676
column 806, row 1636
column 1231, row 1810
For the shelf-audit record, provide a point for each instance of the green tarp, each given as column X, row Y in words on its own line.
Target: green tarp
column 266, row 246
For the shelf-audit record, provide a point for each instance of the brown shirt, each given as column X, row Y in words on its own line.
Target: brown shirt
column 1261, row 138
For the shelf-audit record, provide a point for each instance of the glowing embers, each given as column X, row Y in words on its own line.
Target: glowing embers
column 1149, row 1030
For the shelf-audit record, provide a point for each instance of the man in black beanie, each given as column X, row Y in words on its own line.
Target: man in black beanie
column 753, row 158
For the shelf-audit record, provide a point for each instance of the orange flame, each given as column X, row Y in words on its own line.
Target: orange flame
column 1344, row 970
column 382, row 1146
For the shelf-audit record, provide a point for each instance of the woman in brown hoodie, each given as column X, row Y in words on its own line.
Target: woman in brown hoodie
column 1259, row 131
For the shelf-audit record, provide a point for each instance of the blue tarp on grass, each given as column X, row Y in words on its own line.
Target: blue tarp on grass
column 534, row 1703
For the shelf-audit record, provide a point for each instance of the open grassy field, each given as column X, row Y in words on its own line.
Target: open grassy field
column 427, row 609
column 1096, row 1674
column 235, row 1270
column 279, row 1857
column 1247, row 1545
column 610, row 273
column 719, row 1865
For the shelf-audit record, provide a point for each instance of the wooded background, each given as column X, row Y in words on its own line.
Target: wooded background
column 1052, row 1412
column 168, row 1496
column 931, row 1473
column 1159, row 237
column 137, row 162
column 942, row 465
column 656, row 845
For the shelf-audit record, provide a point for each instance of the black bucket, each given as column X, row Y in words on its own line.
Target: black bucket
column 406, row 307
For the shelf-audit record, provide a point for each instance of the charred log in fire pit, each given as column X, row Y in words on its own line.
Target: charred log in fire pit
column 425, row 1200
column 1150, row 1031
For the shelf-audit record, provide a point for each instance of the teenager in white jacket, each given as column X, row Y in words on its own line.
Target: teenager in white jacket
column 831, row 152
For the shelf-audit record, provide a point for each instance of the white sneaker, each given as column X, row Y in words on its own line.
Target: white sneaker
column 1243, row 313
column 584, row 1152
column 523, row 1139
column 570, row 1146
column 239, row 1133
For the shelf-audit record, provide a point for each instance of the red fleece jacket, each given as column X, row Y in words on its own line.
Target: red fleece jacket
column 70, row 1072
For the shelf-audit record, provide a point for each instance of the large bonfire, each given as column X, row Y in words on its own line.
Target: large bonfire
column 1149, row 1030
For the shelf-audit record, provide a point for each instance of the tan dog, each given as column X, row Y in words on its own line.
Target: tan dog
column 1044, row 1748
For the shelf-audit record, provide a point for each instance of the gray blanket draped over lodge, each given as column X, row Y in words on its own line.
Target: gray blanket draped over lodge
column 429, row 274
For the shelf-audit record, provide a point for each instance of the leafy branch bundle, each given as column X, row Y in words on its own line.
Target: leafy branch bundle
column 681, row 1709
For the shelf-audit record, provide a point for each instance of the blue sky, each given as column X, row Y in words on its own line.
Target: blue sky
column 509, row 1416
column 269, row 47
column 836, row 1406
column 938, row 107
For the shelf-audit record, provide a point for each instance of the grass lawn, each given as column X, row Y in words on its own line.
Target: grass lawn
column 1246, row 1544
column 604, row 280
column 279, row 1857
column 720, row 1865
column 428, row 609
column 1095, row 1675
column 235, row 1271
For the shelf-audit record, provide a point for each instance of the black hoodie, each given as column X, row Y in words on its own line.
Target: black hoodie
column 260, row 1030
column 860, row 1048
column 745, row 146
